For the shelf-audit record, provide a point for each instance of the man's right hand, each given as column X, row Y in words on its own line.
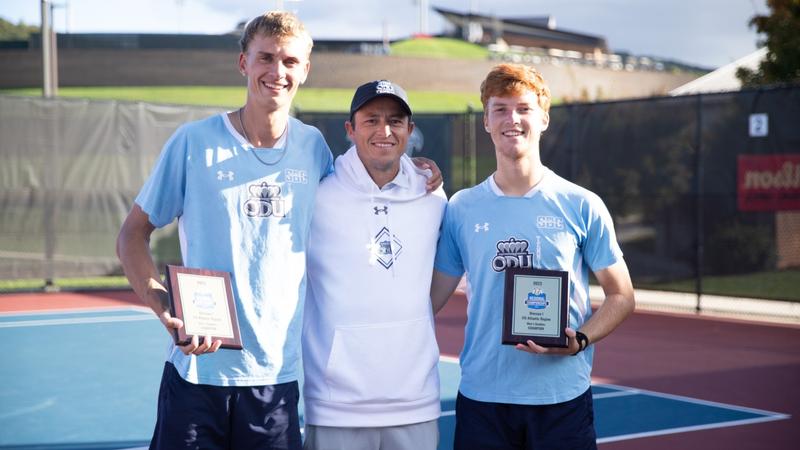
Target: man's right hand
column 194, row 347
column 133, row 249
column 198, row 347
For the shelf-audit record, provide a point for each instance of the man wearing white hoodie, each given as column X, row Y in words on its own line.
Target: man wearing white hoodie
column 369, row 349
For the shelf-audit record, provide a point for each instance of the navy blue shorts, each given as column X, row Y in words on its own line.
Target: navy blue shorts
column 496, row 426
column 198, row 416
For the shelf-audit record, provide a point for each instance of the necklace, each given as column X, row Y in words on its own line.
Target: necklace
column 254, row 150
column 241, row 123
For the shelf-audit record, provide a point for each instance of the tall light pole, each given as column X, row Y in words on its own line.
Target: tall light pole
column 423, row 17
column 53, row 51
column 49, row 62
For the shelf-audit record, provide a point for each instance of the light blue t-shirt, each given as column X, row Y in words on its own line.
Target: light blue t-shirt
column 246, row 211
column 556, row 226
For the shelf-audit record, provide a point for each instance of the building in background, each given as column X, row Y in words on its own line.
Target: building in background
column 723, row 79
column 539, row 32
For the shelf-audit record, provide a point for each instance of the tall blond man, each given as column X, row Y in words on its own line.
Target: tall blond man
column 242, row 186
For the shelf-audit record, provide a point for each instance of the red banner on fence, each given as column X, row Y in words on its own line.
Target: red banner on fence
column 769, row 182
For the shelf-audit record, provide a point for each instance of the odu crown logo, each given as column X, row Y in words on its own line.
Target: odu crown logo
column 512, row 253
column 265, row 200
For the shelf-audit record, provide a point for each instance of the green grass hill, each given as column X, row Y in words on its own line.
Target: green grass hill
column 426, row 47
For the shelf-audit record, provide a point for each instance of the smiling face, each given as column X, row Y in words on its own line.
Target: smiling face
column 275, row 67
column 380, row 131
column 515, row 123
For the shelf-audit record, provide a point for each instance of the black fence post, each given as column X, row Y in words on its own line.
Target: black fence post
column 699, row 200
column 470, row 150
column 573, row 141
column 52, row 188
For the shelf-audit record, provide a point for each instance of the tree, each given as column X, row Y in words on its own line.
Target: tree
column 12, row 32
column 782, row 39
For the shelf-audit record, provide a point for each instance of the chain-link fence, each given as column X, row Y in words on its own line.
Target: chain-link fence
column 70, row 171
column 674, row 173
column 704, row 190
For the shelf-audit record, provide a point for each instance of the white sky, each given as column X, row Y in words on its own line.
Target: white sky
column 707, row 33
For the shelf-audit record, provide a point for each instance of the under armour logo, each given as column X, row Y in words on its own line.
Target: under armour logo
column 384, row 210
column 221, row 175
column 484, row 227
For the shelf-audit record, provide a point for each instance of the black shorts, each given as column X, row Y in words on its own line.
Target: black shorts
column 198, row 416
column 495, row 426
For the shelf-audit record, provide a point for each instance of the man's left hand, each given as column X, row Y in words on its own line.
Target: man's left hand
column 531, row 347
column 435, row 179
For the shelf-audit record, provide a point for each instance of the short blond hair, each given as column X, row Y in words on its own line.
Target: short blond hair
column 513, row 79
column 279, row 24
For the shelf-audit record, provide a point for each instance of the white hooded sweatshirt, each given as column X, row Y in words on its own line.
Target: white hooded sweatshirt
column 369, row 348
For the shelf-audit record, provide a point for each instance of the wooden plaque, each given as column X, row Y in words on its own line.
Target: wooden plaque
column 203, row 300
column 535, row 306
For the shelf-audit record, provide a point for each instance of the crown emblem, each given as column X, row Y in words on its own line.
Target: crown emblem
column 265, row 190
column 512, row 253
column 512, row 246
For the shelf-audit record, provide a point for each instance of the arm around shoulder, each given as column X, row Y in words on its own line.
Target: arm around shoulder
column 435, row 181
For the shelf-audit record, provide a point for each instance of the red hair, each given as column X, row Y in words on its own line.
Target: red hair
column 505, row 80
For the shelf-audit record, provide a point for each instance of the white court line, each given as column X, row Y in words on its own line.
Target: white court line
column 37, row 256
column 709, row 426
column 30, row 409
column 766, row 416
column 449, row 359
column 703, row 402
column 76, row 321
column 621, row 393
column 42, row 312
column 616, row 394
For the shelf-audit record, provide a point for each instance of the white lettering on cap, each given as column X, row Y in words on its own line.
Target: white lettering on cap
column 384, row 87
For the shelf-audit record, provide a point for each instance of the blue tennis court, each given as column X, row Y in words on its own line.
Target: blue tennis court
column 89, row 379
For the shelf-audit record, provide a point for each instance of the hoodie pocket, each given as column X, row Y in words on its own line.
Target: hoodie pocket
column 395, row 362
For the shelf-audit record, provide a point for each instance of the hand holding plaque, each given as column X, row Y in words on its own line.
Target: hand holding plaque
column 535, row 307
column 203, row 300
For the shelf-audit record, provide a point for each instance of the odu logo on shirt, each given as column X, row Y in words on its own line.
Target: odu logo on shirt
column 512, row 253
column 265, row 200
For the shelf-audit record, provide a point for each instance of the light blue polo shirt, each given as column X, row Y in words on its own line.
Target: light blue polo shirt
column 246, row 211
column 558, row 225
